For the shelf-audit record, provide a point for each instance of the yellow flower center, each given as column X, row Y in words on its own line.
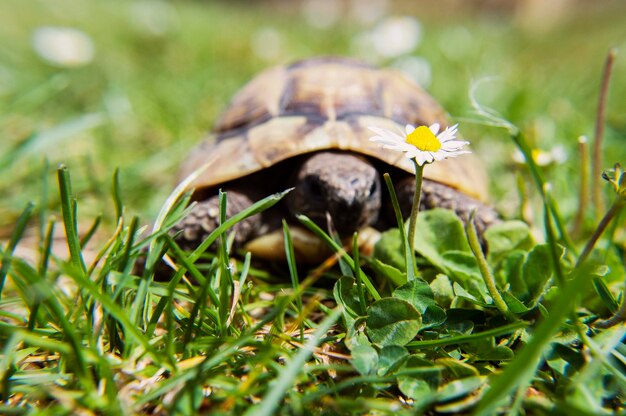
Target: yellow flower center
column 424, row 139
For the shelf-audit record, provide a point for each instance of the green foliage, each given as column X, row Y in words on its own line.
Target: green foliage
column 419, row 294
column 93, row 322
column 392, row 322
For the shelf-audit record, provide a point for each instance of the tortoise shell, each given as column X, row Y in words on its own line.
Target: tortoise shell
column 323, row 104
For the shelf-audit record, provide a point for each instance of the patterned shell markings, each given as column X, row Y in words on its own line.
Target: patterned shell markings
column 321, row 104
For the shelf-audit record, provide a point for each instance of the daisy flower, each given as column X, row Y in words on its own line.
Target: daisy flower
column 424, row 144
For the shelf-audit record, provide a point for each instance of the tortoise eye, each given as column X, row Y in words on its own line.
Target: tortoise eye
column 314, row 188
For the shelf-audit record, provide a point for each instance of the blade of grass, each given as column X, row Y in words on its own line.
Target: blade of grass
column 518, row 374
column 293, row 270
column 69, row 219
column 171, row 286
column 8, row 367
column 118, row 261
column 605, row 296
column 601, row 348
column 123, row 264
column 116, row 194
column 46, row 249
column 40, row 94
column 340, row 251
column 106, row 247
column 344, row 267
column 140, row 304
column 20, row 226
column 287, row 376
column 291, row 262
column 214, row 357
column 368, row 381
column 51, row 303
column 91, row 231
column 183, row 258
column 156, row 251
column 485, row 270
column 178, row 191
column 32, row 338
column 237, row 289
column 540, row 184
column 496, row 120
column 551, row 238
column 43, row 203
column 409, row 257
column 225, row 277
column 460, row 339
column 153, row 243
column 195, row 311
column 253, row 209
column 359, row 282
column 121, row 315
column 38, row 142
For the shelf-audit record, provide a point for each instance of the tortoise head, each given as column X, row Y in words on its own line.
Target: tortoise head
column 345, row 186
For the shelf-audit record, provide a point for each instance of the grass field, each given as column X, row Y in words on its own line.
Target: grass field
column 85, row 333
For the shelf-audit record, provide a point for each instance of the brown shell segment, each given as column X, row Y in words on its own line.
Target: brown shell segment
column 323, row 104
column 256, row 102
column 331, row 89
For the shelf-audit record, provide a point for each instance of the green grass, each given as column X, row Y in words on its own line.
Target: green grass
column 88, row 162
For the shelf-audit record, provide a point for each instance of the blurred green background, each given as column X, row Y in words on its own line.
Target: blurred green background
column 105, row 84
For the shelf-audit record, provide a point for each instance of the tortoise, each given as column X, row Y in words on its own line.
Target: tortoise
column 305, row 125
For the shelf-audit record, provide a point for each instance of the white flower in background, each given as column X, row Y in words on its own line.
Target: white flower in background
column 396, row 36
column 557, row 155
column 321, row 14
column 424, row 144
column 63, row 46
column 368, row 11
column 153, row 17
column 267, row 44
column 416, row 68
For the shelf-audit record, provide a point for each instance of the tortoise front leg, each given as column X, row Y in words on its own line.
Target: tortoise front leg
column 204, row 218
column 436, row 195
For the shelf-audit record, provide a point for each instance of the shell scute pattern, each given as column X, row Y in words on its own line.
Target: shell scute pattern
column 332, row 94
column 255, row 103
column 323, row 104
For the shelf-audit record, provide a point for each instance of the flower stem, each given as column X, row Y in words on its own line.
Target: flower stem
column 596, row 165
column 613, row 212
column 583, row 192
column 490, row 282
column 419, row 174
column 606, row 220
column 618, row 318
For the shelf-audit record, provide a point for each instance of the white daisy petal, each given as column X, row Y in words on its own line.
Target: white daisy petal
column 379, row 131
column 453, row 144
column 386, row 134
column 383, row 140
column 447, row 134
column 457, row 153
column 409, row 128
column 434, row 128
